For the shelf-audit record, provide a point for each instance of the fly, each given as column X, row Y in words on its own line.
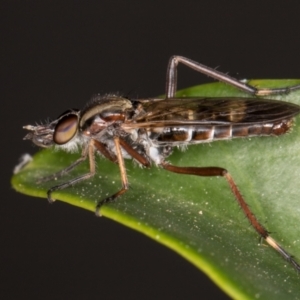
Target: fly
column 146, row 130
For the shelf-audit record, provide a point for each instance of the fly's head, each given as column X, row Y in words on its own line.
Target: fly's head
column 75, row 128
column 61, row 132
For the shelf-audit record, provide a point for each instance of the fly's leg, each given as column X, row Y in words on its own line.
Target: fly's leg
column 125, row 184
column 88, row 151
column 216, row 171
column 124, row 179
column 171, row 82
column 67, row 169
column 102, row 149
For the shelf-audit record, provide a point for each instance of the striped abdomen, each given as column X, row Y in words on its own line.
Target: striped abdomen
column 206, row 133
column 204, row 120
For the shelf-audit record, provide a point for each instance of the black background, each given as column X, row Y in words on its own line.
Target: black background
column 54, row 56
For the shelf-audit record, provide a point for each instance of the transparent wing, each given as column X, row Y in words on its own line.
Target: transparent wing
column 201, row 111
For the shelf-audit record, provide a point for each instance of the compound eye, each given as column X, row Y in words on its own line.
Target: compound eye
column 65, row 129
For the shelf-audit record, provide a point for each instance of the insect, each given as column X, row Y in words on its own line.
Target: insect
column 146, row 130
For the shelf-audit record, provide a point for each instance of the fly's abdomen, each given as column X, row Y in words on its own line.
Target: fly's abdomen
column 261, row 129
column 208, row 133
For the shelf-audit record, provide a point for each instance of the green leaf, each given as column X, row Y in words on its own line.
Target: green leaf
column 199, row 217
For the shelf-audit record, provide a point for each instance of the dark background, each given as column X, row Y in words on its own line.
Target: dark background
column 54, row 56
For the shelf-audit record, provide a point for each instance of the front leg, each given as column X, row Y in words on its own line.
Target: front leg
column 67, row 169
column 88, row 151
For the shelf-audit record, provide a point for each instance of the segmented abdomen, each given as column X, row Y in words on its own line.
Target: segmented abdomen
column 206, row 133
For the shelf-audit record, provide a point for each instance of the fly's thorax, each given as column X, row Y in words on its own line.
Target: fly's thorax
column 109, row 108
column 103, row 114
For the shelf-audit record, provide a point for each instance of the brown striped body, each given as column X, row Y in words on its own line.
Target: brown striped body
column 153, row 126
column 192, row 121
column 209, row 133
